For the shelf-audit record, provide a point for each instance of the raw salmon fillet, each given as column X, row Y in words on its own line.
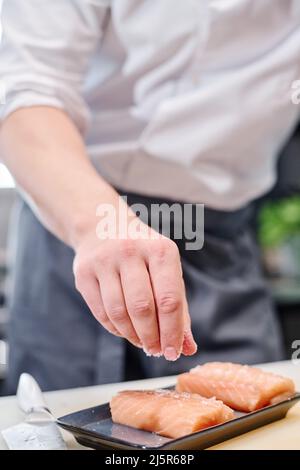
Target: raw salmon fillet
column 168, row 413
column 243, row 388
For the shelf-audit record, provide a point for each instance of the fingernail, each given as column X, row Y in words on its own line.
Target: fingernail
column 155, row 353
column 170, row 354
column 152, row 352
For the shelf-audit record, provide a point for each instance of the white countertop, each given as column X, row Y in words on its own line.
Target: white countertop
column 283, row 434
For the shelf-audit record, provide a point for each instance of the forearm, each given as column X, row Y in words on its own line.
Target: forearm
column 46, row 155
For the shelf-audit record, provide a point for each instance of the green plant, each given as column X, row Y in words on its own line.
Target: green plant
column 279, row 221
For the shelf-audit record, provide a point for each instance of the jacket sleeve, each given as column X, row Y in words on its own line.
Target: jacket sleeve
column 45, row 53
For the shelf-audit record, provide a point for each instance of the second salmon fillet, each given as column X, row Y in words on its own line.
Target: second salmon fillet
column 243, row 388
column 168, row 413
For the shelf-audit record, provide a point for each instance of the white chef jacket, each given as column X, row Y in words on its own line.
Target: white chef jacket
column 184, row 99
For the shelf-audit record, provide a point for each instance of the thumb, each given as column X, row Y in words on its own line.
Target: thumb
column 189, row 346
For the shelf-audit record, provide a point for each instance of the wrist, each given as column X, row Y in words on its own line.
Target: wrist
column 103, row 215
column 109, row 219
column 82, row 227
column 84, row 213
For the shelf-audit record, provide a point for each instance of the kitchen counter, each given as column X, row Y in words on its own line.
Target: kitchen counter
column 283, row 434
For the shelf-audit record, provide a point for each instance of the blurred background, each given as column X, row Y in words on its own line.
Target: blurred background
column 276, row 225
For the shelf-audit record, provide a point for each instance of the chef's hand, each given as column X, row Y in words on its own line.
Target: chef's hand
column 135, row 289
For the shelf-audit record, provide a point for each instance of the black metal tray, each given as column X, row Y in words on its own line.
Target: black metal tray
column 94, row 428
